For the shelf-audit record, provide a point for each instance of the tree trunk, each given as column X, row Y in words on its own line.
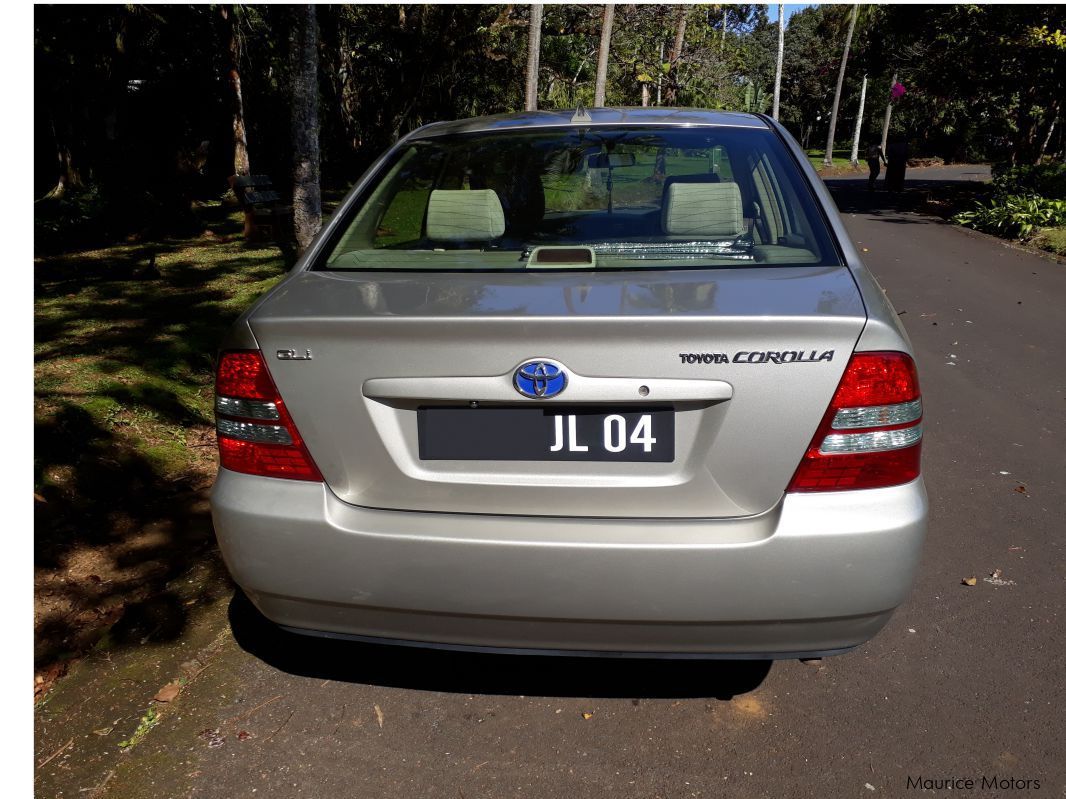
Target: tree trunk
column 1050, row 130
column 70, row 177
column 888, row 114
column 605, row 52
column 645, row 95
column 349, row 94
column 306, row 192
column 536, row 17
column 675, row 55
column 241, row 165
column 659, row 83
column 780, row 58
column 858, row 125
column 67, row 174
column 1024, row 149
column 721, row 59
column 840, row 87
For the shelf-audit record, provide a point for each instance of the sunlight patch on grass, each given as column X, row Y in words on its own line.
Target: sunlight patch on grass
column 126, row 357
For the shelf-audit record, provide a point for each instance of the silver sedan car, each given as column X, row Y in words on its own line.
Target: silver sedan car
column 607, row 381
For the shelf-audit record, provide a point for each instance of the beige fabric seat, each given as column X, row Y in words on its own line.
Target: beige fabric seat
column 704, row 210
column 464, row 215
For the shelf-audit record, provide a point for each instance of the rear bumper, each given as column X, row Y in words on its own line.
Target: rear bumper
column 819, row 573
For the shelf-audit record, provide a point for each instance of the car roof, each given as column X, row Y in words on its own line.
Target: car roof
column 529, row 120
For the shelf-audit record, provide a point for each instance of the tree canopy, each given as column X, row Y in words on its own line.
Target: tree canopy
column 135, row 103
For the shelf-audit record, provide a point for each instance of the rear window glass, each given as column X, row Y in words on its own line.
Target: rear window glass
column 594, row 198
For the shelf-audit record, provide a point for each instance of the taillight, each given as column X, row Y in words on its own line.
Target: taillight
column 871, row 435
column 256, row 435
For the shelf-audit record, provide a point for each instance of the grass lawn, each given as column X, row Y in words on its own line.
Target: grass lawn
column 1052, row 239
column 841, row 158
column 124, row 434
column 133, row 354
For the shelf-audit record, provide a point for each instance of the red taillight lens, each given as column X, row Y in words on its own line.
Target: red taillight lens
column 870, row 436
column 243, row 375
column 877, row 378
column 256, row 435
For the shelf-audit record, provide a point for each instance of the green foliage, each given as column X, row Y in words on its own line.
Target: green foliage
column 125, row 94
column 979, row 84
column 756, row 101
column 1048, row 38
column 1047, row 180
column 1014, row 216
column 1023, row 200
column 149, row 720
column 68, row 219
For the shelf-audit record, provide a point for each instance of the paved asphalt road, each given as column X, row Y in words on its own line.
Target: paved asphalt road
column 965, row 682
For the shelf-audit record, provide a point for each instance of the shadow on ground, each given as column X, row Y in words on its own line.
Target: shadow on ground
column 482, row 673
column 125, row 337
column 125, row 340
column 936, row 196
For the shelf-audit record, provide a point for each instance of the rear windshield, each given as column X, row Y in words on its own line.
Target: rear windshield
column 593, row 198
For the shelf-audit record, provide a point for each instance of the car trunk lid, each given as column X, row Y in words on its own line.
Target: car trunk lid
column 744, row 361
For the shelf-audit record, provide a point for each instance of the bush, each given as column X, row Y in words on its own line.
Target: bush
column 1014, row 215
column 1047, row 180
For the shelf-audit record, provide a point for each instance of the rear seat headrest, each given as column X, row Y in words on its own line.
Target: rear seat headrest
column 696, row 177
column 464, row 215
column 702, row 209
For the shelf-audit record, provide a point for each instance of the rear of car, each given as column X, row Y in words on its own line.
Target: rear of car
column 607, row 384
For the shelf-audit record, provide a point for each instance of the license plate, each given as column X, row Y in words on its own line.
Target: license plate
column 546, row 434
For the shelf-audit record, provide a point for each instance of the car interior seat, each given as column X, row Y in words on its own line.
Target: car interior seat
column 464, row 216
column 702, row 209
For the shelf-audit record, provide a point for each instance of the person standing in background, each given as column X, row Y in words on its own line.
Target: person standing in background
column 875, row 156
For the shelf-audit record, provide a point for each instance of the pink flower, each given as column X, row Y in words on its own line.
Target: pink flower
column 898, row 90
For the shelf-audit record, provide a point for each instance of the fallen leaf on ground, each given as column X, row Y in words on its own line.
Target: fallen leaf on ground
column 103, row 731
column 380, row 715
column 586, row 716
column 996, row 574
column 47, row 677
column 1021, row 490
column 243, row 735
column 168, row 692
column 39, row 498
column 969, row 580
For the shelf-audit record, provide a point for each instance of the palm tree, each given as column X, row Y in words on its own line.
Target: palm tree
column 675, row 55
column 306, row 191
column 858, row 125
column 780, row 57
column 536, row 17
column 888, row 113
column 840, row 85
column 605, row 51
